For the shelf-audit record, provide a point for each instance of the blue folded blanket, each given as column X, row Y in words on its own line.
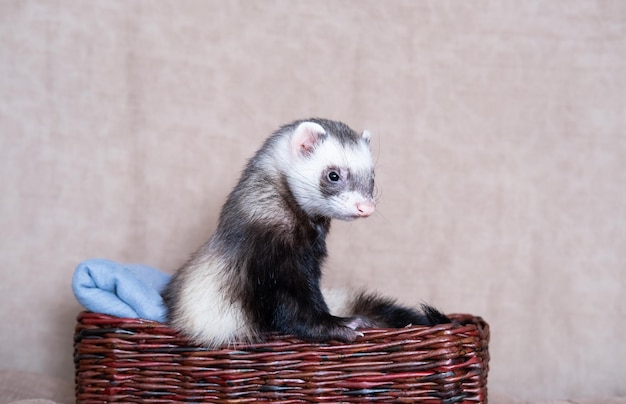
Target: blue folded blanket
column 121, row 290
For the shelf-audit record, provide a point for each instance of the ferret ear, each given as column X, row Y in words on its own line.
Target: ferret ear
column 366, row 135
column 305, row 137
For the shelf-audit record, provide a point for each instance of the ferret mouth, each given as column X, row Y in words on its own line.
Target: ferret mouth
column 353, row 216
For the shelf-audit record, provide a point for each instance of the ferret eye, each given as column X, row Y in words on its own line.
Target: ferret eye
column 333, row 176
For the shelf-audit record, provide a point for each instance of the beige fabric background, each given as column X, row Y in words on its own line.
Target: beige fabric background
column 499, row 140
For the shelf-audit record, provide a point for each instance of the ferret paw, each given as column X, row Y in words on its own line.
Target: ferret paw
column 345, row 334
column 357, row 322
column 347, row 328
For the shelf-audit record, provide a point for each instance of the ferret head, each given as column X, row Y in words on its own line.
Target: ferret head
column 330, row 170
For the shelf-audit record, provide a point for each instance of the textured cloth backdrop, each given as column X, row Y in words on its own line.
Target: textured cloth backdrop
column 498, row 134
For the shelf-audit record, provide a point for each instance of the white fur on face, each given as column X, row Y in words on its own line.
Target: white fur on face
column 204, row 312
column 305, row 173
column 345, row 206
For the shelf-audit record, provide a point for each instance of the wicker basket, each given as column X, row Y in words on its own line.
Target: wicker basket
column 140, row 361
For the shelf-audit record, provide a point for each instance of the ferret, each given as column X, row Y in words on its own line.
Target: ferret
column 261, row 269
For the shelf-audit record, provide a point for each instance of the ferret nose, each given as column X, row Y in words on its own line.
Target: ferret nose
column 365, row 208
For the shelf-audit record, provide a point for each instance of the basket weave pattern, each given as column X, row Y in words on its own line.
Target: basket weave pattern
column 141, row 361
